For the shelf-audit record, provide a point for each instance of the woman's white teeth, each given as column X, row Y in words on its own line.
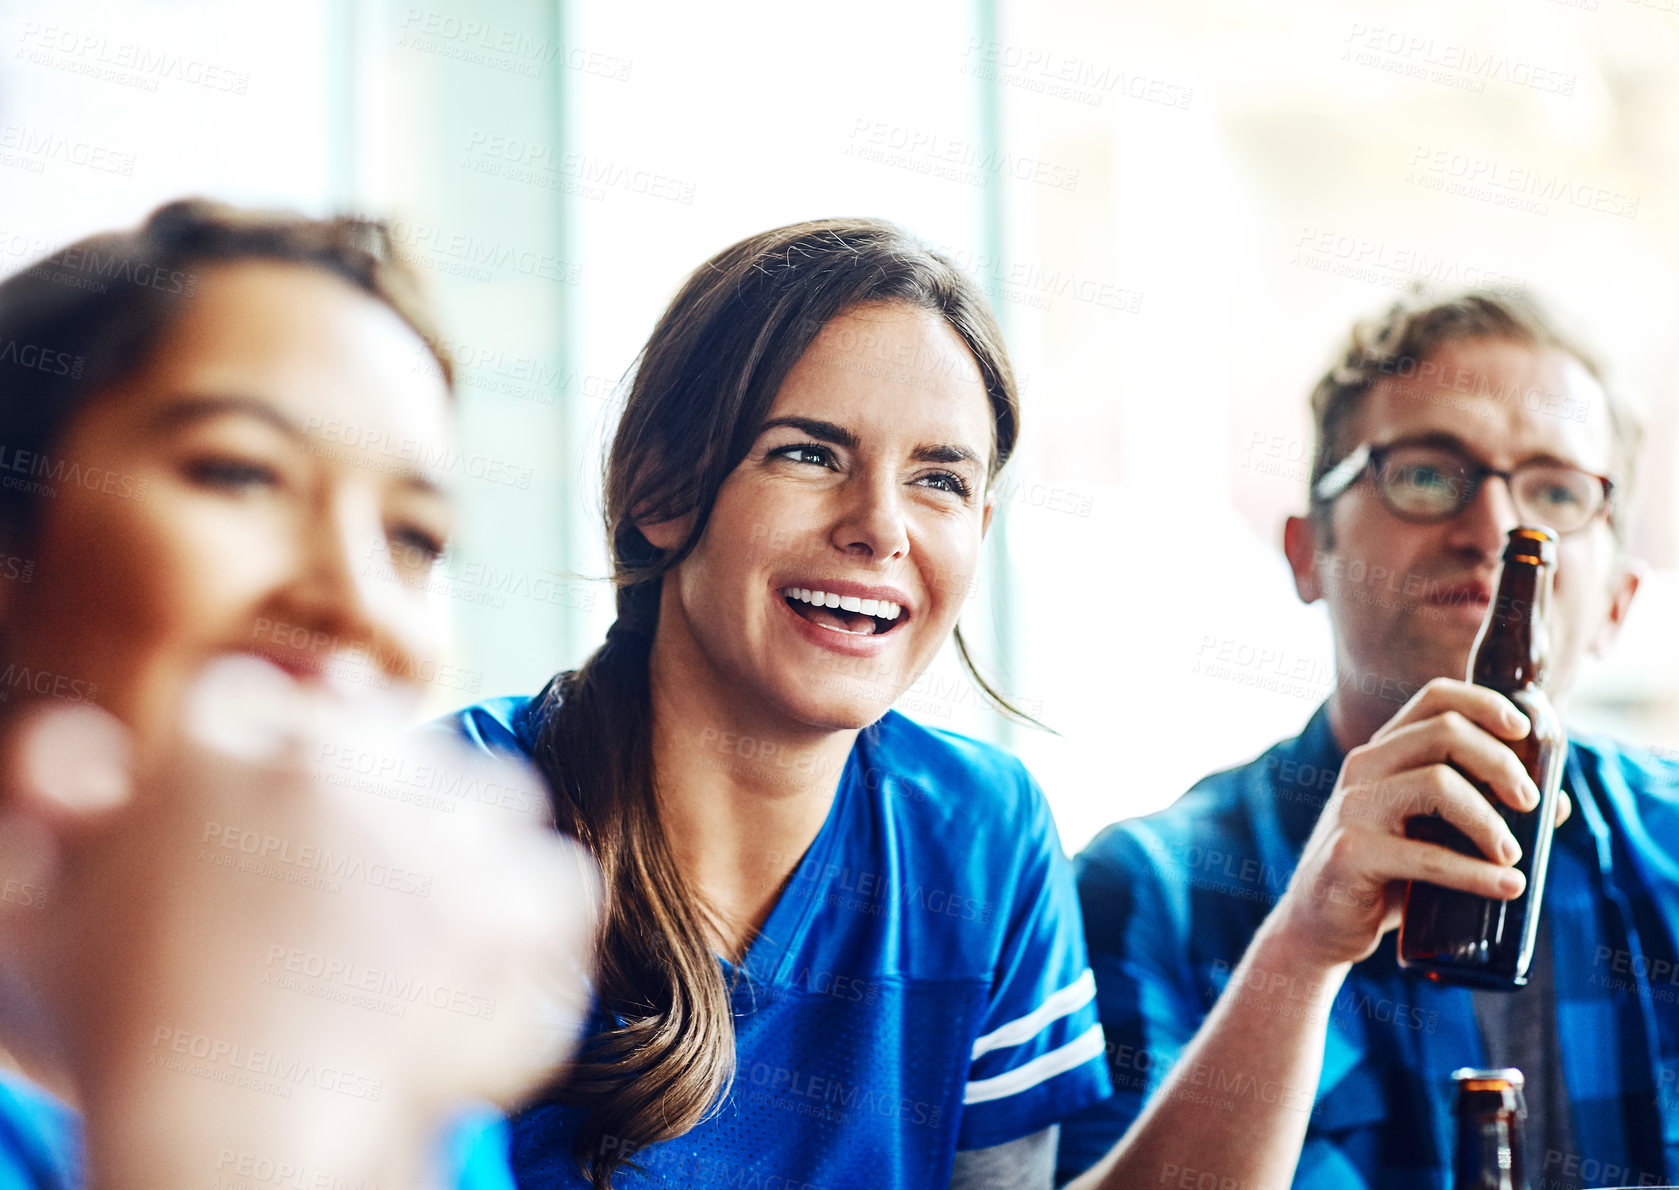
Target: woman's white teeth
column 881, row 608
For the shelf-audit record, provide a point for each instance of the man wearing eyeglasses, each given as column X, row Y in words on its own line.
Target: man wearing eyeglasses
column 1259, row 1029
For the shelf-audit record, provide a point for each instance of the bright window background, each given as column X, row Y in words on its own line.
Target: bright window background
column 1178, row 209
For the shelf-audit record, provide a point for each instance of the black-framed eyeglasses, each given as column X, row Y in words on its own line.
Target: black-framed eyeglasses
column 1426, row 483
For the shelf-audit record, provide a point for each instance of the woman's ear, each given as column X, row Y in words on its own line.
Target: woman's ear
column 985, row 517
column 666, row 535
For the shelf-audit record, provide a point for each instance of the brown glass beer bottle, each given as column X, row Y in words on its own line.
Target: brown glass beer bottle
column 1489, row 1130
column 1456, row 937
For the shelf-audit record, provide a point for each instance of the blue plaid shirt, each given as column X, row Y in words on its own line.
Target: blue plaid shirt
column 1171, row 901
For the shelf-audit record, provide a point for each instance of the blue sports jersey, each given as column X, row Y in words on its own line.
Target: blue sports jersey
column 41, row 1146
column 40, row 1139
column 920, row 986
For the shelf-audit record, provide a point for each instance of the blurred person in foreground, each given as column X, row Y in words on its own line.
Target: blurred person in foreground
column 251, row 932
column 1257, row 1022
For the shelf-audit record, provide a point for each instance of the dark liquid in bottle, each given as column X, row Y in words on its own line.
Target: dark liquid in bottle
column 1457, row 937
column 1489, row 1130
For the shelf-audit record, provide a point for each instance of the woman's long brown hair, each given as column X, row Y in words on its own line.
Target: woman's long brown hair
column 703, row 385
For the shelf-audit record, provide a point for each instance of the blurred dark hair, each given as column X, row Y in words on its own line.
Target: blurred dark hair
column 90, row 315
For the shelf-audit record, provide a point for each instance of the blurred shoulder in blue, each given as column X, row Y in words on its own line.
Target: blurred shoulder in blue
column 41, row 1143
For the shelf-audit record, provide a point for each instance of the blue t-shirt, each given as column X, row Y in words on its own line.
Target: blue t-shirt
column 920, row 986
column 40, row 1139
column 41, row 1144
column 1171, row 901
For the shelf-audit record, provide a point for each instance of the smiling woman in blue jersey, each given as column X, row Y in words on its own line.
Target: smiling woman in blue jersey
column 841, row 949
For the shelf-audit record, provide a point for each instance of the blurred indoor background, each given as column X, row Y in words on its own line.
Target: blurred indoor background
column 1177, row 209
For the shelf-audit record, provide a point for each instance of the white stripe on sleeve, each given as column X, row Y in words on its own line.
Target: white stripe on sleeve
column 1040, row 1069
column 1069, row 999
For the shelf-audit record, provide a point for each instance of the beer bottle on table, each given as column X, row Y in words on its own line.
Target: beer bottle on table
column 1489, row 1130
column 1457, row 937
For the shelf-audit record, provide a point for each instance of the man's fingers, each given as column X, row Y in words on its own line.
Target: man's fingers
column 1491, row 710
column 1412, row 859
column 1436, row 789
column 1449, row 738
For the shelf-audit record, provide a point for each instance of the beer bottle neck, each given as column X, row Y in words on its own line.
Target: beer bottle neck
column 1489, row 1152
column 1513, row 650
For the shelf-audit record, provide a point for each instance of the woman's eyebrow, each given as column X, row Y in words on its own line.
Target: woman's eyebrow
column 944, row 453
column 186, row 410
column 822, row 431
column 827, row 431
